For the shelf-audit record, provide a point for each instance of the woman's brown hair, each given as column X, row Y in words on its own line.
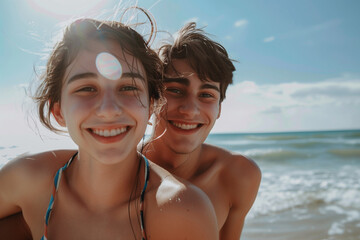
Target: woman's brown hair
column 75, row 38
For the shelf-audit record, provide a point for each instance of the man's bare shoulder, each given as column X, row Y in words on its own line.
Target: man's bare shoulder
column 232, row 164
column 183, row 208
column 239, row 175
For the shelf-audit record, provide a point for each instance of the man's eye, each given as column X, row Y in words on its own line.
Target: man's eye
column 206, row 95
column 173, row 90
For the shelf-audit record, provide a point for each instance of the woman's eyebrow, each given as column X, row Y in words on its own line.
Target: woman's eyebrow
column 81, row 76
column 94, row 75
column 133, row 75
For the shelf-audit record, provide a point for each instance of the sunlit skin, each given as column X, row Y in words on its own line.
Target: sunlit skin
column 106, row 118
column 230, row 180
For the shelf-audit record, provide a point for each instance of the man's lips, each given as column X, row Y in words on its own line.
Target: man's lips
column 185, row 126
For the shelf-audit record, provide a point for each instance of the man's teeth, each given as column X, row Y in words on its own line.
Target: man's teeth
column 184, row 126
column 109, row 133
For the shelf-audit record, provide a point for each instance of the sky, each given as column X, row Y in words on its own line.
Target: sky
column 298, row 62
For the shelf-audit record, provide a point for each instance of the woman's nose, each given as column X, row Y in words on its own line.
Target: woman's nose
column 108, row 106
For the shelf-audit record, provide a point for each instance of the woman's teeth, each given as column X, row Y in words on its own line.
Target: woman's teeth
column 109, row 133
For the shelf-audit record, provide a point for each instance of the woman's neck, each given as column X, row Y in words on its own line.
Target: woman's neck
column 106, row 185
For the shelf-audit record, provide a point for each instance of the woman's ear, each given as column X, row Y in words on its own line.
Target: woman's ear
column 56, row 112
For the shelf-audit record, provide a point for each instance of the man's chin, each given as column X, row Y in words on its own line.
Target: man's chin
column 181, row 149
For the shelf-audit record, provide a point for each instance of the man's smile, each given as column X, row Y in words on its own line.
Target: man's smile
column 185, row 126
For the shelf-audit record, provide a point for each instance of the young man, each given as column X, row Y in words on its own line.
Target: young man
column 197, row 74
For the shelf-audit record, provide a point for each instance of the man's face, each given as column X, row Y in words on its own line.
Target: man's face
column 191, row 111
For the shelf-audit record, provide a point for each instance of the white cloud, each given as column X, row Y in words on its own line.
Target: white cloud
column 251, row 107
column 269, row 39
column 241, row 23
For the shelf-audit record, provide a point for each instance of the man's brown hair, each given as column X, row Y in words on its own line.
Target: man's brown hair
column 208, row 58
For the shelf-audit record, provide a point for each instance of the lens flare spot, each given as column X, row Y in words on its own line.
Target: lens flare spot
column 108, row 66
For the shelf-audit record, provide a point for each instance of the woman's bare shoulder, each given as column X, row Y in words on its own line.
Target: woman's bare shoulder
column 29, row 164
column 29, row 173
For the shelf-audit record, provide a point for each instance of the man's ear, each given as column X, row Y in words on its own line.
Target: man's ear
column 56, row 112
column 219, row 111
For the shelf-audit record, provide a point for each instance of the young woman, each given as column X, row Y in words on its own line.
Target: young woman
column 102, row 83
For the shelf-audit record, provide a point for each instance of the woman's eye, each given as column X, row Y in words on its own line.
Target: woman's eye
column 128, row 88
column 86, row 89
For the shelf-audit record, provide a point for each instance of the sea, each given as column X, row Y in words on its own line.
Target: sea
column 310, row 188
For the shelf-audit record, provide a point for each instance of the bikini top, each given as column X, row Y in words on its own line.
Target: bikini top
column 57, row 179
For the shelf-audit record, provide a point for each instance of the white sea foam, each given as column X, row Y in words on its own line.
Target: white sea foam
column 340, row 191
column 337, row 228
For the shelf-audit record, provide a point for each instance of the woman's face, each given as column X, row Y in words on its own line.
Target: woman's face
column 104, row 102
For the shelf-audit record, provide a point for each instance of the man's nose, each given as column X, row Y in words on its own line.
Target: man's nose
column 189, row 107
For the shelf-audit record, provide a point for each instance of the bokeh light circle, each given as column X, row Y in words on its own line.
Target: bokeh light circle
column 108, row 66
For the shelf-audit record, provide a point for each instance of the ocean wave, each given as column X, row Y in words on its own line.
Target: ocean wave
column 273, row 137
column 272, row 154
column 346, row 153
column 325, row 143
column 308, row 144
column 353, row 135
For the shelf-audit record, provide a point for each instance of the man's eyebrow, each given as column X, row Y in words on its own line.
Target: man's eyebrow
column 183, row 81
column 82, row 75
column 132, row 75
column 209, row 86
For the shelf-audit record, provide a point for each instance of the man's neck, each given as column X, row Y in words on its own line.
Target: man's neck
column 183, row 165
